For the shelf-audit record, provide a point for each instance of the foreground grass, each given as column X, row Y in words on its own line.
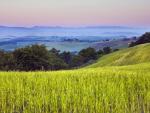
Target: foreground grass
column 95, row 90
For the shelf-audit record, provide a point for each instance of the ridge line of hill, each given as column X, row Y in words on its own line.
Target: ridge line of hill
column 129, row 56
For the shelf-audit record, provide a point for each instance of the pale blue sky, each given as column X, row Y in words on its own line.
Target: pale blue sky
column 74, row 12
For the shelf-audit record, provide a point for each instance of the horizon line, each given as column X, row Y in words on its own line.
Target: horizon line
column 61, row 26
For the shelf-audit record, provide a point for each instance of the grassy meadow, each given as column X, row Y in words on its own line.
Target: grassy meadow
column 133, row 55
column 93, row 89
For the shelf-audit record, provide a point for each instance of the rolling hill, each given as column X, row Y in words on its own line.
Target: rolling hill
column 129, row 56
column 110, row 89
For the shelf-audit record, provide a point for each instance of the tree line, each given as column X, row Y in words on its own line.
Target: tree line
column 145, row 38
column 38, row 57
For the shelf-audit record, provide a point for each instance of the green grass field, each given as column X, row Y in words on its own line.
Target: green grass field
column 94, row 89
column 134, row 55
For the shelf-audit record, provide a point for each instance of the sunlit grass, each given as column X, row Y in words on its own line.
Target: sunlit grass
column 129, row 56
column 95, row 90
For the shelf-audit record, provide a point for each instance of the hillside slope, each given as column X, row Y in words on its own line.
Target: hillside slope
column 129, row 56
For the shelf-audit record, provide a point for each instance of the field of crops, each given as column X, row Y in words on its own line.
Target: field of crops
column 98, row 90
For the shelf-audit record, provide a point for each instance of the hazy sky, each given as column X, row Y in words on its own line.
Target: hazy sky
column 74, row 12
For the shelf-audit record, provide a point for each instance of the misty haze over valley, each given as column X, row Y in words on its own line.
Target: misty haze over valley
column 65, row 38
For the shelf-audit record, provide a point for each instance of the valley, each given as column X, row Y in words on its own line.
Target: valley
column 68, row 39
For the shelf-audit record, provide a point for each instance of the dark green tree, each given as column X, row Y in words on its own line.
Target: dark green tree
column 55, row 51
column 6, row 61
column 88, row 54
column 100, row 53
column 36, row 57
column 77, row 61
column 107, row 50
column 145, row 38
column 66, row 56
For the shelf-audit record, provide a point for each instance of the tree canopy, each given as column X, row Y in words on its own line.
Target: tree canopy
column 145, row 38
column 38, row 57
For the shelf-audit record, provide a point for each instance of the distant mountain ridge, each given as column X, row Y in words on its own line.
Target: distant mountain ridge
column 72, row 31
